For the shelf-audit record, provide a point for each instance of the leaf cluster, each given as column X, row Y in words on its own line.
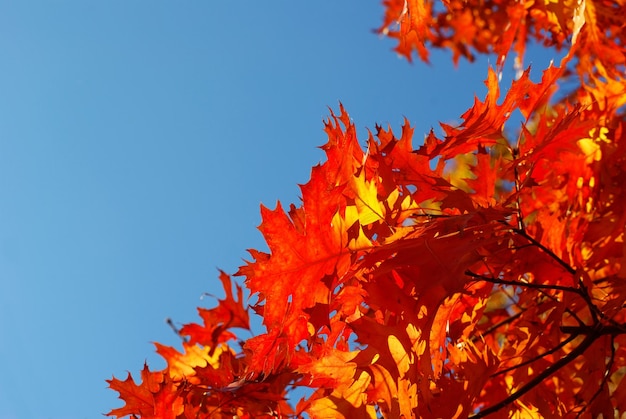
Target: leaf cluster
column 474, row 275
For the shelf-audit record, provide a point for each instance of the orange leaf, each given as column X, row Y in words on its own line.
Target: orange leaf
column 230, row 313
column 156, row 397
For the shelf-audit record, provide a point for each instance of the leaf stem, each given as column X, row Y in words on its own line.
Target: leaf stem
column 518, row 206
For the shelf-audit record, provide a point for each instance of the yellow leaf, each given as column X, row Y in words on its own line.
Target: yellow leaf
column 399, row 355
column 579, row 19
column 385, row 388
column 344, row 403
column 368, row 206
column 183, row 365
column 341, row 226
column 591, row 146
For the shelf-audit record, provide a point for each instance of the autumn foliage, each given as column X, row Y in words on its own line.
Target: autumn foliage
column 474, row 274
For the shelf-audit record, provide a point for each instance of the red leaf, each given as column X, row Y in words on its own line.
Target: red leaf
column 229, row 313
column 156, row 397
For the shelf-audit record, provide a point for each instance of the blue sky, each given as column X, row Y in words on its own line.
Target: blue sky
column 137, row 140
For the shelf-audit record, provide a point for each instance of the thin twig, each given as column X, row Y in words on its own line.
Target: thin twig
column 605, row 378
column 538, row 357
column 176, row 330
column 539, row 289
column 523, row 284
column 579, row 350
column 546, row 250
column 518, row 206
column 499, row 324
column 598, row 330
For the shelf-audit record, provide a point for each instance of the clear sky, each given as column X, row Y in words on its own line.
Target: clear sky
column 137, row 140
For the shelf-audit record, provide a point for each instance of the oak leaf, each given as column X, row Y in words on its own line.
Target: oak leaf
column 156, row 397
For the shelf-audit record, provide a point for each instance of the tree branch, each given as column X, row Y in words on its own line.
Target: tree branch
column 499, row 324
column 579, row 350
column 549, row 252
column 605, row 378
column 598, row 330
column 541, row 289
column 523, row 284
column 530, row 361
